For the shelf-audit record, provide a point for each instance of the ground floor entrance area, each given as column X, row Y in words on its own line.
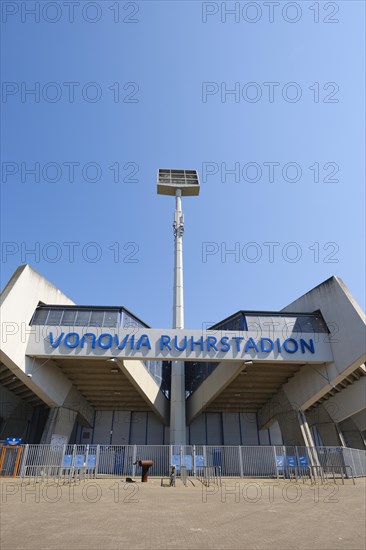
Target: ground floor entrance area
column 80, row 462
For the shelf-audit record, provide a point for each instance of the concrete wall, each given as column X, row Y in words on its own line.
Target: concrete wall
column 123, row 428
column 145, row 428
column 347, row 336
column 19, row 299
column 346, row 322
column 353, row 436
column 232, row 429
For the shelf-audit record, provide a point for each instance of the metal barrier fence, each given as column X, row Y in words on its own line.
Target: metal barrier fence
column 70, row 461
column 210, row 475
column 9, row 460
column 65, row 462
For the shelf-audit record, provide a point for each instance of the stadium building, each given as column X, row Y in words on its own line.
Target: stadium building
column 100, row 375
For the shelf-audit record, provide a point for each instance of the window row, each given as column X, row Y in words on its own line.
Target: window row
column 109, row 318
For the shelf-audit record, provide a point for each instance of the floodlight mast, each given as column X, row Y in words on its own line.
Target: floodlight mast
column 178, row 292
column 177, row 183
column 177, row 387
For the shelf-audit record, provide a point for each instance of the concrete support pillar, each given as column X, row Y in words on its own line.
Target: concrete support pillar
column 177, row 405
column 292, row 421
column 292, row 428
column 360, row 420
column 305, row 430
column 329, row 434
column 60, row 422
column 352, row 435
column 327, row 428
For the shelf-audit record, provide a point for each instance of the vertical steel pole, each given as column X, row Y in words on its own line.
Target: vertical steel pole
column 177, row 392
column 194, row 460
column 24, row 461
column 178, row 297
column 134, row 457
column 241, row 462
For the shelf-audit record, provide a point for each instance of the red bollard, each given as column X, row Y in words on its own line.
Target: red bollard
column 145, row 465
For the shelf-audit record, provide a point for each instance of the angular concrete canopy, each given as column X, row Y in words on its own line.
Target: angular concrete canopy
column 61, row 382
column 347, row 338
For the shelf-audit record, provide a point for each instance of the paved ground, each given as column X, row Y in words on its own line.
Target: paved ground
column 244, row 514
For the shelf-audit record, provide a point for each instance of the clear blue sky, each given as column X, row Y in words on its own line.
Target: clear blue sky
column 169, row 52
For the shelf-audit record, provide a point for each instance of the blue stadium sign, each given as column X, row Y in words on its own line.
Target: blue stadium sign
column 194, row 345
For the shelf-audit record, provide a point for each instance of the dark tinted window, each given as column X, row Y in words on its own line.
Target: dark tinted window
column 68, row 318
column 54, row 317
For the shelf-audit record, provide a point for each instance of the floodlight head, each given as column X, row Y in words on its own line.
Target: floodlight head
column 169, row 181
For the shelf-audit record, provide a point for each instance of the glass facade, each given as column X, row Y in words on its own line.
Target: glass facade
column 196, row 373
column 290, row 322
column 85, row 317
column 287, row 323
